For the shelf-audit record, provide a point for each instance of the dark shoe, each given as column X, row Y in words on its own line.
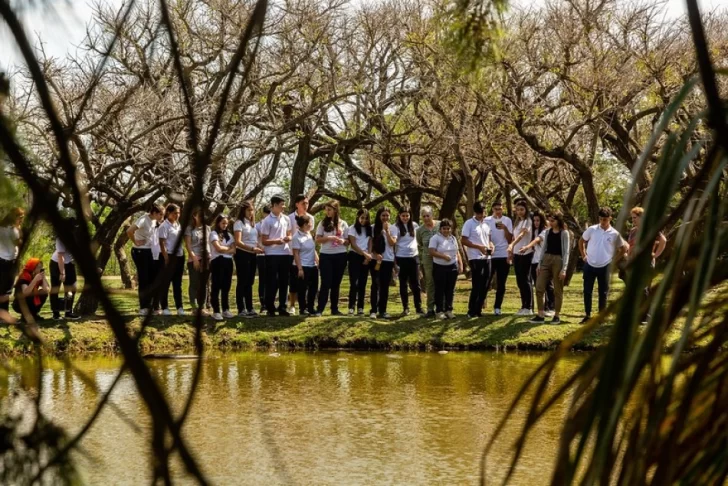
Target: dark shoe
column 556, row 320
column 337, row 313
column 57, row 316
column 537, row 320
column 420, row 313
column 284, row 313
column 72, row 317
column 430, row 314
column 270, row 314
column 585, row 320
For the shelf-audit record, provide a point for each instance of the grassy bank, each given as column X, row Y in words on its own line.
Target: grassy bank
column 168, row 334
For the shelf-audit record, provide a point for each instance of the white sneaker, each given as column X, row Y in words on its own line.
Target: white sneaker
column 351, row 312
column 450, row 315
column 217, row 316
column 497, row 312
column 406, row 312
column 549, row 313
column 442, row 316
column 228, row 315
column 158, row 312
column 180, row 311
column 292, row 311
column 521, row 312
column 143, row 312
column 166, row 312
column 373, row 315
column 386, row 315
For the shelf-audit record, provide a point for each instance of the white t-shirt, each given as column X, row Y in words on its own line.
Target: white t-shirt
column 388, row 255
column 294, row 225
column 478, row 233
column 214, row 236
column 276, row 228
column 305, row 244
column 144, row 232
column 248, row 233
column 61, row 248
column 361, row 240
column 330, row 247
column 447, row 246
column 170, row 232
column 498, row 236
column 406, row 243
column 601, row 245
column 155, row 242
column 196, row 236
column 539, row 247
column 260, row 243
column 526, row 224
column 9, row 236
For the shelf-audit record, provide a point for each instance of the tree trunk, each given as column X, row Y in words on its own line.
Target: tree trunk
column 453, row 193
column 415, row 200
column 124, row 270
column 300, row 168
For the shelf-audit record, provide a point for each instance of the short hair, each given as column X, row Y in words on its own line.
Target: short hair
column 638, row 210
column 155, row 208
column 302, row 221
column 497, row 202
column 426, row 210
column 447, row 223
column 605, row 212
column 276, row 200
column 299, row 198
column 478, row 207
column 266, row 209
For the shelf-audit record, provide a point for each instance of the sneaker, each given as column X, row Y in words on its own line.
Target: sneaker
column 450, row 315
column 292, row 311
column 420, row 312
column 373, row 315
column 204, row 313
column 471, row 316
column 360, row 312
column 522, row 312
column 261, row 311
column 537, row 320
column 284, row 313
column 56, row 316
column 143, row 312
column 497, row 312
column 351, row 312
column 442, row 316
column 228, row 315
column 270, row 314
column 549, row 313
column 157, row 312
column 166, row 312
column 180, row 311
column 217, row 316
column 72, row 317
column 556, row 320
column 318, row 314
column 585, row 320
column 305, row 313
column 252, row 315
column 406, row 312
column 243, row 314
column 337, row 313
column 385, row 315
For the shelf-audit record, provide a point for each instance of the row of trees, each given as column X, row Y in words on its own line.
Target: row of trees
column 365, row 104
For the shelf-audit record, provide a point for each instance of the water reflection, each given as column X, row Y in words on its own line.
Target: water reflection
column 302, row 418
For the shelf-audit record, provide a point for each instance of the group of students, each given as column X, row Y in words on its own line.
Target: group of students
column 282, row 250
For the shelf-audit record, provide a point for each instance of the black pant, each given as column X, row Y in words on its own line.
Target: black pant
column 522, row 268
column 7, row 278
column 277, row 268
column 222, row 280
column 157, row 267
column 178, row 269
column 332, row 268
column 307, row 288
column 499, row 268
column 601, row 275
column 480, row 277
column 550, row 303
column 33, row 308
column 144, row 263
column 408, row 269
column 358, row 274
column 260, row 261
column 65, row 304
column 384, row 278
column 445, row 278
column 245, row 264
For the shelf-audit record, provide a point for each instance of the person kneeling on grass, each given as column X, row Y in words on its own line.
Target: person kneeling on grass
column 31, row 290
column 443, row 248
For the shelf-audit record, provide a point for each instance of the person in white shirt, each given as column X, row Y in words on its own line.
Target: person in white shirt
column 171, row 245
column 198, row 265
column 540, row 226
column 522, row 235
column 247, row 250
column 599, row 245
column 300, row 203
column 157, row 267
column 331, row 235
column 260, row 260
column 63, row 271
column 141, row 233
column 446, row 266
column 307, row 265
column 360, row 260
column 222, row 249
column 383, row 252
column 10, row 239
column 276, row 238
column 406, row 255
column 501, row 234
column 475, row 237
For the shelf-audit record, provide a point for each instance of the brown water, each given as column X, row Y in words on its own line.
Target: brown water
column 312, row 418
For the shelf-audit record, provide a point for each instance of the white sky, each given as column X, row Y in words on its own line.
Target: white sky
column 62, row 27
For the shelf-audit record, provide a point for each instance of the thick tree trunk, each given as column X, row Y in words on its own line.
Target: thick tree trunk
column 453, row 193
column 124, row 270
column 300, row 168
column 415, row 200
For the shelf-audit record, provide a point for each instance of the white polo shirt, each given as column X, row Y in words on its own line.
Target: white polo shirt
column 447, row 246
column 222, row 241
column 388, row 255
column 601, row 245
column 294, row 225
column 275, row 228
column 61, row 248
column 539, row 248
column 306, row 246
column 478, row 233
column 170, row 232
column 156, row 250
column 361, row 240
column 330, row 247
column 528, row 226
column 499, row 236
column 406, row 243
column 144, row 232
column 248, row 233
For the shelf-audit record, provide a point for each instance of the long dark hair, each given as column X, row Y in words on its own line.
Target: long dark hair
column 378, row 243
column 541, row 225
column 242, row 209
column 559, row 217
column 367, row 227
column 331, row 224
column 223, row 233
column 170, row 209
column 410, row 225
column 524, row 205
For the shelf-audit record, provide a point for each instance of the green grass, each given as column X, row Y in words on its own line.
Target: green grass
column 167, row 334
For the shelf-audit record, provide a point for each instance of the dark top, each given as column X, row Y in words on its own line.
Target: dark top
column 553, row 243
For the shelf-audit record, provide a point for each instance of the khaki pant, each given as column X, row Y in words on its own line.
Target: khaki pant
column 427, row 273
column 550, row 270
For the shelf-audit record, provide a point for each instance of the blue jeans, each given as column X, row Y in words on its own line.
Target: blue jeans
column 601, row 275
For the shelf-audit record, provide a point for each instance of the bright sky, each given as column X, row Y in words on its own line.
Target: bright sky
column 61, row 28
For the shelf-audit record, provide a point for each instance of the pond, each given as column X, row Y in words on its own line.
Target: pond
column 311, row 418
